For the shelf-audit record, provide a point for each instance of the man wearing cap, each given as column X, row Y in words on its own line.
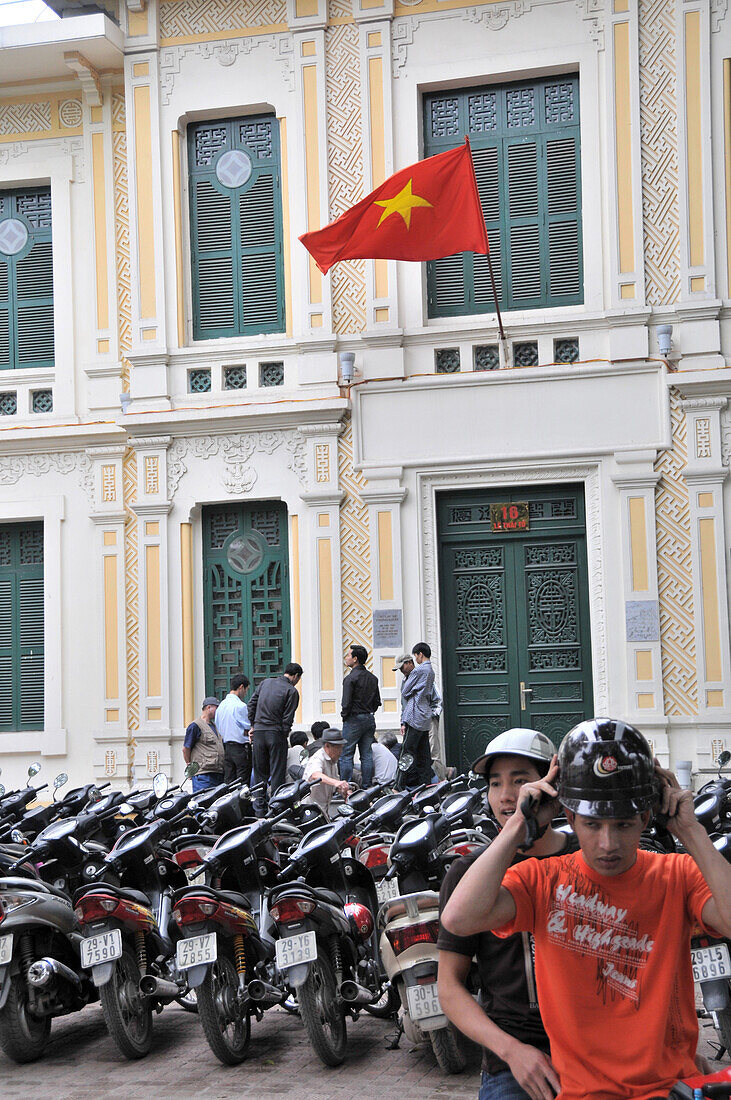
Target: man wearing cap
column 323, row 765
column 203, row 746
column 416, row 717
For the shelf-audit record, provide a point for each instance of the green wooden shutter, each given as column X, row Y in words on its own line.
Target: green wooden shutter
column 236, row 228
column 526, row 152
column 26, row 283
column 21, row 627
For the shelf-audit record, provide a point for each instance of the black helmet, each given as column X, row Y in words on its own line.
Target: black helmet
column 606, row 769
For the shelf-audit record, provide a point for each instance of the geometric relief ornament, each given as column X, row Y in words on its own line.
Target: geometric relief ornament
column 238, row 451
column 674, row 571
column 355, row 548
column 480, row 610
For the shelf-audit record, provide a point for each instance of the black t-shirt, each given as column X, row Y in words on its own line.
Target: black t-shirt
column 505, row 967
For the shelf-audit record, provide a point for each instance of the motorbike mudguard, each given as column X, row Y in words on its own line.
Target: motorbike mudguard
column 196, row 974
column 101, row 974
column 4, row 985
column 297, row 975
column 716, row 994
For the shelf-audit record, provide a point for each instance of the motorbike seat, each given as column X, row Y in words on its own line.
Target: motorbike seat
column 330, row 896
column 133, row 895
column 206, row 891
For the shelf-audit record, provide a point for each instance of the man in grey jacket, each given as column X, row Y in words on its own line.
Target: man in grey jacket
column 271, row 712
column 416, row 713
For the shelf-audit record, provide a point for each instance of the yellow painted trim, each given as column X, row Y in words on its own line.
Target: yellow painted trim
column 382, row 313
column 623, row 146
column 645, row 701
column 54, row 129
column 714, row 698
column 149, row 334
column 178, row 211
column 374, row 39
column 643, row 664
column 697, row 284
column 390, row 706
column 154, row 714
column 102, row 347
column 294, row 542
column 286, row 244
column 111, row 716
column 153, row 623
column 638, row 542
column 137, row 24
column 145, row 211
column 142, row 68
column 709, row 588
column 694, row 144
column 385, row 556
column 111, row 627
column 388, row 676
column 100, row 231
column 621, row 6
column 96, row 114
column 627, row 290
column 186, row 610
column 312, row 171
column 110, row 538
column 309, row 49
column 305, row 9
column 316, row 320
column 328, row 707
column 378, row 154
column 152, row 528
column 705, row 500
column 323, row 519
column 727, row 163
column 327, row 643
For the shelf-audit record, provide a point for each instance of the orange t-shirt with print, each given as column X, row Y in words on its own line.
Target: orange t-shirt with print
column 615, row 985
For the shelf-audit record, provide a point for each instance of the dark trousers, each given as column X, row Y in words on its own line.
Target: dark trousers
column 270, row 764
column 237, row 761
column 416, row 742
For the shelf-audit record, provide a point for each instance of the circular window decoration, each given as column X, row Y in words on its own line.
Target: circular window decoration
column 233, row 168
column 13, row 236
column 245, row 553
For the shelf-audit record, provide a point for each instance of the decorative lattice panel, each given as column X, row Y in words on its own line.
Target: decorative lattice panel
column 42, row 401
column 567, row 350
column 355, row 549
column 446, row 361
column 8, row 404
column 271, row 374
column 234, row 378
column 526, row 354
column 485, row 357
column 199, row 381
column 194, row 18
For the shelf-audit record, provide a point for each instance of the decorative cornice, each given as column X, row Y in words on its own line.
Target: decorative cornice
column 155, row 442
column 89, row 78
column 335, row 428
column 238, row 450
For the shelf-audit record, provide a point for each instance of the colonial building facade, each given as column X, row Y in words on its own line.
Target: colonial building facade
column 189, row 486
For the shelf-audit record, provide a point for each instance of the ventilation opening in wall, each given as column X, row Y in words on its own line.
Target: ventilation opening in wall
column 271, row 374
column 8, row 404
column 566, row 350
column 446, row 361
column 485, row 357
column 526, row 354
column 234, row 378
column 199, row 381
column 42, row 401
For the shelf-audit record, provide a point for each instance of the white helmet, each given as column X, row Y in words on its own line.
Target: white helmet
column 531, row 744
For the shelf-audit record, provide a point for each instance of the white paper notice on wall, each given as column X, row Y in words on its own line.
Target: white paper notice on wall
column 642, row 618
column 387, row 628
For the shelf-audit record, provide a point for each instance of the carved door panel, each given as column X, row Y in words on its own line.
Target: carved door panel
column 246, row 592
column 515, row 618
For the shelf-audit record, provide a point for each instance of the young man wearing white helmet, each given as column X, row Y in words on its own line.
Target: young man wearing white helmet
column 612, row 923
column 516, row 1063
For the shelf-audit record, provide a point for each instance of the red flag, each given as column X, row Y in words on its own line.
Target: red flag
column 428, row 210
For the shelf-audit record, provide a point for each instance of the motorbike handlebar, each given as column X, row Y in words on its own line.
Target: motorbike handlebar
column 290, row 871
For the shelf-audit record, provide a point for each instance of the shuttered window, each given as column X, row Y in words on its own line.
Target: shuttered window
column 26, row 279
column 21, row 627
column 526, row 152
column 236, row 227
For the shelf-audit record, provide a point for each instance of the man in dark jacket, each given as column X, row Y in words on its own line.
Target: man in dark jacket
column 361, row 699
column 271, row 712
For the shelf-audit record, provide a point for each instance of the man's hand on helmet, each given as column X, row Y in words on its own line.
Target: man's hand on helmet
column 543, row 796
column 675, row 803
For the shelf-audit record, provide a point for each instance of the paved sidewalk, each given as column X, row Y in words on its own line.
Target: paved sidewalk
column 82, row 1063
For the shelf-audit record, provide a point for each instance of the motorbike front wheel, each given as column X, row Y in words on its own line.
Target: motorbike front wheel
column 448, row 1049
column 226, row 1027
column 321, row 1013
column 127, row 1013
column 23, row 1037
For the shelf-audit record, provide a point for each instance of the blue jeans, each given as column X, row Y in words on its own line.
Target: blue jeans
column 359, row 730
column 206, row 780
column 501, row 1086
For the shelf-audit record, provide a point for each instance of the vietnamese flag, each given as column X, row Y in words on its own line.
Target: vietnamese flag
column 428, row 210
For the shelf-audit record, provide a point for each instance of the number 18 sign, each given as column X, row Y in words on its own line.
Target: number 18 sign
column 509, row 517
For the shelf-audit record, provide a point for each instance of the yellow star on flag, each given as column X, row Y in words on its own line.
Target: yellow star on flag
column 402, row 204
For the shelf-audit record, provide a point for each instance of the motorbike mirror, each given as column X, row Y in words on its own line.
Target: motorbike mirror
column 2, row 789
column 345, row 810
column 192, row 769
column 724, row 759
column 160, row 784
column 34, row 768
column 405, row 761
column 60, row 780
column 125, row 808
column 17, row 837
column 95, row 795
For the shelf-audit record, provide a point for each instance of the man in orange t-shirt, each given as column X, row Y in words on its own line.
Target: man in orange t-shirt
column 612, row 924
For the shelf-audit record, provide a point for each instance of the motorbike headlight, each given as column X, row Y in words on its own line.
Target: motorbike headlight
column 12, row 901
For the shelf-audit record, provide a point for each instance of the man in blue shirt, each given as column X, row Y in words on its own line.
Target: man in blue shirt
column 417, row 706
column 232, row 720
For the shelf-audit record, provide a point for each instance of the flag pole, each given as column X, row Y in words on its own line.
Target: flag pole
column 501, row 330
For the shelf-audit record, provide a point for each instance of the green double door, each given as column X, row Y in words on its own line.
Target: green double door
column 245, row 592
column 516, row 645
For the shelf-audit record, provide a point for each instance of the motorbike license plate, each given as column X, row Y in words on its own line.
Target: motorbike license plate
column 196, row 951
column 423, row 1001
column 711, row 962
column 387, row 890
column 294, row 950
column 6, row 949
column 101, row 949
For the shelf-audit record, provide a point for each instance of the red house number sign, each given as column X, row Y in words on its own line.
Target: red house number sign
column 509, row 517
